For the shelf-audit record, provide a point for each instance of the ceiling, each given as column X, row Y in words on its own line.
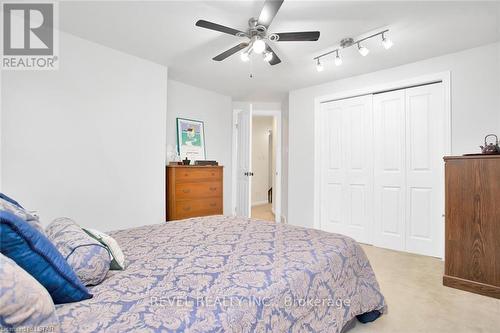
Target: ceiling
column 164, row 32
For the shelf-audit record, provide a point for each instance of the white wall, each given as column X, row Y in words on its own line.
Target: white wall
column 87, row 141
column 215, row 110
column 475, row 102
column 284, row 157
column 261, row 127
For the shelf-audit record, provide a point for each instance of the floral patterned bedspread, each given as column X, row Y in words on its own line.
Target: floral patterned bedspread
column 228, row 274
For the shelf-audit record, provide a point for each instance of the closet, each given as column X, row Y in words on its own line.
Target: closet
column 381, row 168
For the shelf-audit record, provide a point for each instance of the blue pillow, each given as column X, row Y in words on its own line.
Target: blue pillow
column 12, row 201
column 38, row 256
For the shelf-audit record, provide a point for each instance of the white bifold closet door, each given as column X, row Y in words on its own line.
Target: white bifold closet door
column 347, row 168
column 382, row 172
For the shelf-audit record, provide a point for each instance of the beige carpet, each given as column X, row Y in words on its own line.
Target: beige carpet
column 418, row 301
column 263, row 212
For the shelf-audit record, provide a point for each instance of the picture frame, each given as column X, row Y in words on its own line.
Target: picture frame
column 191, row 139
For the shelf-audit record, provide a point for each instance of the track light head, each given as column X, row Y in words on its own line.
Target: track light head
column 363, row 50
column 386, row 42
column 319, row 66
column 338, row 59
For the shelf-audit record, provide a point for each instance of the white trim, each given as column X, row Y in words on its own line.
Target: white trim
column 277, row 115
column 234, row 161
column 444, row 77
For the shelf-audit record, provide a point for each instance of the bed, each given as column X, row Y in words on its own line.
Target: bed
column 228, row 274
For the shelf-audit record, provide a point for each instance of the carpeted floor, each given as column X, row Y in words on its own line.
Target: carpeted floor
column 418, row 301
column 263, row 212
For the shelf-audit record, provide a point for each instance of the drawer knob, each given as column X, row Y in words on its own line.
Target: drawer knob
column 213, row 188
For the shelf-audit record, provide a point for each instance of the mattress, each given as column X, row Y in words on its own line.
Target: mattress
column 229, row 274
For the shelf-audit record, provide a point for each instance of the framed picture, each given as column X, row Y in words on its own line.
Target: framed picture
column 191, row 139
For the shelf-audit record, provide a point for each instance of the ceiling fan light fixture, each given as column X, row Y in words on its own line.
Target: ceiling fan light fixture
column 319, row 66
column 258, row 46
column 386, row 42
column 268, row 56
column 245, row 56
column 363, row 50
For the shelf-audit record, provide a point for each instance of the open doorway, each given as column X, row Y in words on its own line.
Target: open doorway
column 263, row 167
column 257, row 163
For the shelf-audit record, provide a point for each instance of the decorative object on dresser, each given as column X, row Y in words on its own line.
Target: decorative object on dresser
column 193, row 191
column 472, row 236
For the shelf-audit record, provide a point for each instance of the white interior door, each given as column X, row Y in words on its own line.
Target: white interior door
column 347, row 167
column 244, row 162
column 389, row 169
column 425, row 148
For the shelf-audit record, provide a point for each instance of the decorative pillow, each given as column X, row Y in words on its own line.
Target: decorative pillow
column 117, row 257
column 12, row 201
column 24, row 303
column 20, row 212
column 33, row 252
column 89, row 259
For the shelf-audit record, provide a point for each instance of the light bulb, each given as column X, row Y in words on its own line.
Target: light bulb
column 259, row 46
column 268, row 56
column 244, row 56
column 338, row 60
column 387, row 43
column 363, row 50
column 319, row 66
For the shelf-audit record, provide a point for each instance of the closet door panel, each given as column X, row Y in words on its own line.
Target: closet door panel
column 425, row 170
column 346, row 177
column 389, row 169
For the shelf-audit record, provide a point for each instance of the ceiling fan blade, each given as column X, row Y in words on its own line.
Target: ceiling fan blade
column 230, row 52
column 275, row 60
column 269, row 11
column 218, row 27
column 298, row 36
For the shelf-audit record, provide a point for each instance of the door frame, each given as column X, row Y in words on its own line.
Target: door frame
column 258, row 113
column 439, row 77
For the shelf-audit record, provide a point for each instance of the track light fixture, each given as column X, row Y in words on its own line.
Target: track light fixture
column 319, row 66
column 363, row 50
column 386, row 42
column 348, row 42
column 338, row 59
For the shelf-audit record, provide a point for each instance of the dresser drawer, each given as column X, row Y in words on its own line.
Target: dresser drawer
column 198, row 190
column 201, row 174
column 198, row 207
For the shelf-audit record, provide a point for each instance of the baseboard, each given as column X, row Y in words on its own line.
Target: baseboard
column 471, row 286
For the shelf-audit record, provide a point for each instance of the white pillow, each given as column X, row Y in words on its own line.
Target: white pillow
column 118, row 260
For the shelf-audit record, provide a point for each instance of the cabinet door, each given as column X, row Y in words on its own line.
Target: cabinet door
column 389, row 170
column 347, row 170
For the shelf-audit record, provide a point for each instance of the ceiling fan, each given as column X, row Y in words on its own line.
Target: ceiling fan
column 258, row 35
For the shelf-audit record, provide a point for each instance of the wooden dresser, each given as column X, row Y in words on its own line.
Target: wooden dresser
column 193, row 191
column 472, row 240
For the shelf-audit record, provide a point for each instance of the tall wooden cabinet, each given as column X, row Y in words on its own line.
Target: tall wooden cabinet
column 472, row 240
column 193, row 191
